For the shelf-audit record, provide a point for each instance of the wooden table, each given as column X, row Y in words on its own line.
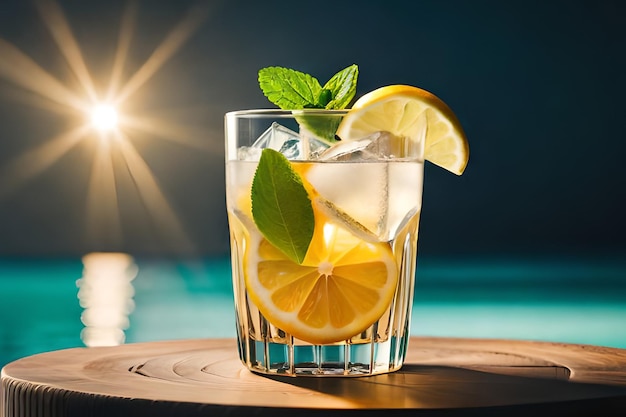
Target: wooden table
column 441, row 377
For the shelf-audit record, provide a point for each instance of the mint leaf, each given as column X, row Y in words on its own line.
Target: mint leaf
column 342, row 87
column 294, row 90
column 281, row 207
column 289, row 89
column 322, row 127
column 324, row 97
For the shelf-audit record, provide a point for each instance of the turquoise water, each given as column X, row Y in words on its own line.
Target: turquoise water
column 571, row 301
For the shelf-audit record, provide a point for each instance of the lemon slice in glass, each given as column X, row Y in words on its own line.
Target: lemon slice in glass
column 410, row 112
column 343, row 286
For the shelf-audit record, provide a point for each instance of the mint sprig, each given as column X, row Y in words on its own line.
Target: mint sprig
column 289, row 89
column 294, row 90
column 281, row 207
column 342, row 87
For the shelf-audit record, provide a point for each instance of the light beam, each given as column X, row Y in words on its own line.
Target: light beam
column 103, row 119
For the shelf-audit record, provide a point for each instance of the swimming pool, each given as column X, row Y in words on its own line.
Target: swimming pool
column 567, row 300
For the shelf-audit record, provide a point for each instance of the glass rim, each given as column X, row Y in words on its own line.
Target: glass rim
column 254, row 113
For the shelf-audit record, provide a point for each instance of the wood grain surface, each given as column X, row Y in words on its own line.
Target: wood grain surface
column 441, row 376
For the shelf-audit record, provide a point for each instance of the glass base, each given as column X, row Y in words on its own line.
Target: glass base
column 344, row 359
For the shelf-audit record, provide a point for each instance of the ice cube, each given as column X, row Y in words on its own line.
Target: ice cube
column 291, row 148
column 275, row 137
column 341, row 217
column 313, row 143
column 379, row 145
column 342, row 151
column 247, row 153
column 285, row 141
column 347, row 186
column 385, row 145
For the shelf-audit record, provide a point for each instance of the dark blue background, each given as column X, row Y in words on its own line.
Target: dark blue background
column 538, row 85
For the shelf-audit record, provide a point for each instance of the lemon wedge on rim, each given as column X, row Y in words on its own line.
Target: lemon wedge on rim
column 410, row 112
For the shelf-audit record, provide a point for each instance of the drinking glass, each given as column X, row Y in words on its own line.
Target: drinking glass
column 371, row 191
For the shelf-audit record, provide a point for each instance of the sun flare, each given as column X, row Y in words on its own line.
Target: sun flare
column 100, row 112
column 104, row 117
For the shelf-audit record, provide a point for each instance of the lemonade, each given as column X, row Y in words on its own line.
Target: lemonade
column 323, row 207
column 384, row 198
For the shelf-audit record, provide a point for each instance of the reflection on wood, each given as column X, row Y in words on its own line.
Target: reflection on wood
column 460, row 376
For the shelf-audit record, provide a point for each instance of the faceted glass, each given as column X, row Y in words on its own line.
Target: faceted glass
column 373, row 188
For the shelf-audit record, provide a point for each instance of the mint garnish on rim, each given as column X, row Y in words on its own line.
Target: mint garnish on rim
column 281, row 207
column 294, row 90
